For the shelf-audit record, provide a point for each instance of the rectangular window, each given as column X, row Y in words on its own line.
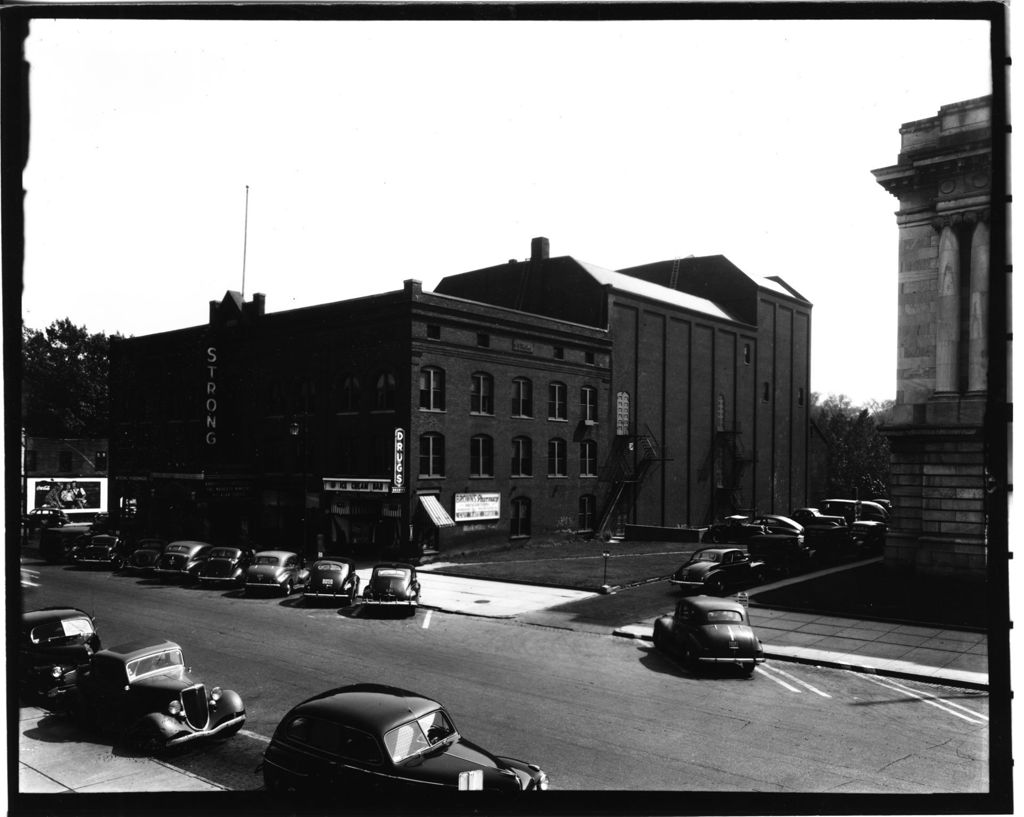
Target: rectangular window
column 433, row 331
column 588, row 358
column 588, row 458
column 588, row 404
column 522, row 457
column 557, row 458
column 431, row 389
column 520, row 517
column 100, row 461
column 559, row 352
column 481, row 398
column 483, row 340
column 481, row 456
column 431, row 455
column 556, row 401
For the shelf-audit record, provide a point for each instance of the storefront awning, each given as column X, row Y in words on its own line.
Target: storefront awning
column 438, row 515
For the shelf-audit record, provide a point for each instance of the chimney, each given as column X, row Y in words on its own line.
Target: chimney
column 539, row 249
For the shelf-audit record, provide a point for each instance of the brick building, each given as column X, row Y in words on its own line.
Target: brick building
column 943, row 421
column 68, row 473
column 525, row 399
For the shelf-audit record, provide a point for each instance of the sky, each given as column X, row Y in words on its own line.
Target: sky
column 379, row 151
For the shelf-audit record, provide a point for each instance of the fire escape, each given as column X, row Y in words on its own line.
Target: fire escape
column 731, row 460
column 631, row 459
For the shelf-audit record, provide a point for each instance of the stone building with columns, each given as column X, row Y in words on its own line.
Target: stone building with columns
column 938, row 436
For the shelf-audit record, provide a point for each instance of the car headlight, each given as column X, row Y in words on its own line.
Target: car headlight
column 215, row 694
column 57, row 671
column 174, row 708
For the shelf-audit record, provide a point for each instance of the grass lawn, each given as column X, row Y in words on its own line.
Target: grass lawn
column 577, row 564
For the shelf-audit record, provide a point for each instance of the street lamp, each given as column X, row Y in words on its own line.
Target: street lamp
column 295, row 429
column 605, row 582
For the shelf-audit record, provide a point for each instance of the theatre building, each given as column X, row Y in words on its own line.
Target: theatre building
column 534, row 398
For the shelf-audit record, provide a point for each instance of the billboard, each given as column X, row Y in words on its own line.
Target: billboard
column 77, row 495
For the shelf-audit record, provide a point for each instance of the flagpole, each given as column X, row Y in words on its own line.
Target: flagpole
column 245, row 239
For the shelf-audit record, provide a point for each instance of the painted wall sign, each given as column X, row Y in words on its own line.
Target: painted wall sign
column 381, row 486
column 474, row 507
column 211, row 395
column 398, row 478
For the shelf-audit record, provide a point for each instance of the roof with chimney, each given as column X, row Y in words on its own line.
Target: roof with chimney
column 568, row 289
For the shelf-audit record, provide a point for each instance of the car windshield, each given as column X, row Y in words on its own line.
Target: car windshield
column 724, row 617
column 266, row 560
column 223, row 553
column 159, row 662
column 390, row 573
column 706, row 556
column 59, row 630
column 418, row 736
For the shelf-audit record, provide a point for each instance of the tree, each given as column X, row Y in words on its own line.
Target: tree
column 858, row 454
column 64, row 381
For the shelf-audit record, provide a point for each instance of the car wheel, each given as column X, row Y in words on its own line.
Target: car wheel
column 689, row 658
column 144, row 740
column 748, row 669
column 660, row 642
column 717, row 584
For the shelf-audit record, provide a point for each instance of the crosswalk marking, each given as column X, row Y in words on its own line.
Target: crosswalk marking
column 779, row 681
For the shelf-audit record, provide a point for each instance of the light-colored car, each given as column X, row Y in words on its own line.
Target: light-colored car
column 278, row 570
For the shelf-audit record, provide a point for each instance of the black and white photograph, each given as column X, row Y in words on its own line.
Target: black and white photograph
column 549, row 408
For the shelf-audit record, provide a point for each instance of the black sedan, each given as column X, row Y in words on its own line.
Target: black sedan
column 707, row 631
column 53, row 644
column 739, row 529
column 225, row 568
column 143, row 692
column 144, row 557
column 369, row 738
column 103, row 551
column 394, row 583
column 333, row 580
column 716, row 570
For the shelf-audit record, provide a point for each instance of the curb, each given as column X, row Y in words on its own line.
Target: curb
column 865, row 669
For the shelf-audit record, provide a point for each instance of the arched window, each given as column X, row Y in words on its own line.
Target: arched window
column 587, row 510
column 556, row 401
column 520, row 522
column 432, row 389
column 385, row 392
column 557, row 466
column 481, row 393
column 522, row 457
column 588, row 458
column 481, row 456
column 522, row 397
column 348, row 393
column 431, row 455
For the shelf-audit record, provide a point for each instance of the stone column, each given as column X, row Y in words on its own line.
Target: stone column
column 977, row 355
column 947, row 314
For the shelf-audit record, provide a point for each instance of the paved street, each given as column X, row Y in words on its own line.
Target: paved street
column 552, row 695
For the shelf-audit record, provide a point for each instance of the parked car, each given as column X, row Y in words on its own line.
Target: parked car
column 103, row 550
column 706, row 630
column 868, row 521
column 58, row 545
column 53, row 644
column 829, row 536
column 226, row 567
column 333, row 579
column 738, row 529
column 781, row 553
column 373, row 738
column 143, row 691
column 181, row 560
column 279, row 570
column 393, row 583
column 144, row 557
column 716, row 570
column 45, row 517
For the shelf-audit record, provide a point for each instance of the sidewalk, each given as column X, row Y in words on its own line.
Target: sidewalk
column 53, row 758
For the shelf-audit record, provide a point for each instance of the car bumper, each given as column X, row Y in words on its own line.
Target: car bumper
column 731, row 659
column 93, row 562
column 185, row 737
column 398, row 602
column 221, row 579
column 684, row 583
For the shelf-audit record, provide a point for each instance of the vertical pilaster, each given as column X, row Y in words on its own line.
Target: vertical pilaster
column 977, row 360
column 947, row 313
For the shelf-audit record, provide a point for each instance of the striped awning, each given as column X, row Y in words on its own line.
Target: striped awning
column 438, row 515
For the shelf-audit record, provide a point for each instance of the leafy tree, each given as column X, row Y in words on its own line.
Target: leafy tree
column 64, row 381
column 858, row 454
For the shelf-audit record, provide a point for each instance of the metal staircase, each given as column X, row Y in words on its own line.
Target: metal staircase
column 631, row 459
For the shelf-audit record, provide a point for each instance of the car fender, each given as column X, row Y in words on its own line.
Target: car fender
column 166, row 725
column 228, row 706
